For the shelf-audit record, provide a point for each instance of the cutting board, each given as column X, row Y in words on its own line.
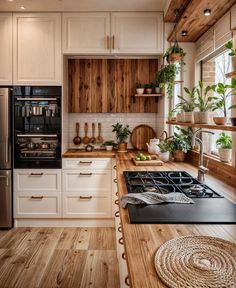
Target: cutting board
column 154, row 162
column 141, row 135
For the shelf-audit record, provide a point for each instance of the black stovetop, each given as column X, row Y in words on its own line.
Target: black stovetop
column 209, row 206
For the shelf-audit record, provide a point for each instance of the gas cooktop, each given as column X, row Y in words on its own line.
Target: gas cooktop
column 209, row 206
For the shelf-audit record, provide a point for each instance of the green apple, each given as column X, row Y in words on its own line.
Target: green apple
column 148, row 158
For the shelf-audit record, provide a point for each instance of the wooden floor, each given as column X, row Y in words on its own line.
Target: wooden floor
column 58, row 257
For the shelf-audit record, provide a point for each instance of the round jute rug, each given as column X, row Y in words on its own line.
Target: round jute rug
column 197, row 262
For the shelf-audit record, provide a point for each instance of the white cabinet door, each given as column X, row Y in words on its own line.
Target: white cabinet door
column 86, row 33
column 6, row 49
column 37, row 49
column 137, row 33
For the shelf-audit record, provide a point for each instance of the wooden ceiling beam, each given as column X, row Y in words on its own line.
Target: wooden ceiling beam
column 180, row 5
column 195, row 22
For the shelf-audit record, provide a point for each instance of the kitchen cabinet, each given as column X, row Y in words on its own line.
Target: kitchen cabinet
column 37, row 193
column 87, row 188
column 6, row 49
column 37, row 58
column 113, row 33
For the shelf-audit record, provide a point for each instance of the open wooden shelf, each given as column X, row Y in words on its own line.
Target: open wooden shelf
column 231, row 74
column 148, row 95
column 207, row 126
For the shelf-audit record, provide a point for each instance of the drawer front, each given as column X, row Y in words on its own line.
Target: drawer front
column 96, row 181
column 81, row 206
column 31, row 205
column 85, row 163
column 37, row 180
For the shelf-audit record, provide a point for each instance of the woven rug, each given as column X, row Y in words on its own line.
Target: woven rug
column 197, row 262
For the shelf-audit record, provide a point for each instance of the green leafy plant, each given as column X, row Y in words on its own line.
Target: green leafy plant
column 165, row 146
column 148, row 86
column 224, row 141
column 187, row 104
column 203, row 101
column 138, row 85
column 122, row 132
column 109, row 143
column 229, row 45
column 224, row 91
column 166, row 77
column 181, row 140
column 175, row 49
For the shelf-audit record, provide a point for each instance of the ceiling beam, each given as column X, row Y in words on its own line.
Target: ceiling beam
column 173, row 5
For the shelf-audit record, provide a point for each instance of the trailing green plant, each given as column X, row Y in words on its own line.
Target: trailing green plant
column 224, row 141
column 203, row 101
column 175, row 49
column 138, row 85
column 148, row 86
column 166, row 77
column 109, row 143
column 122, row 132
column 224, row 91
column 188, row 104
column 229, row 45
column 165, row 146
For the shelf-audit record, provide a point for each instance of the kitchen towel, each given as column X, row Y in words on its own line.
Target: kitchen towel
column 151, row 198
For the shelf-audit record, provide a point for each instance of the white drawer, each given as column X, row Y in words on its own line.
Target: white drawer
column 81, row 206
column 37, row 180
column 32, row 205
column 83, row 181
column 85, row 163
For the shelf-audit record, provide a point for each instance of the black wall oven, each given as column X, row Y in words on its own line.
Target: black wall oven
column 37, row 126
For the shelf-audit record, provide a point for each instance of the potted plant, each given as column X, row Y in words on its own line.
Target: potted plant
column 179, row 145
column 203, row 103
column 224, row 144
column 219, row 102
column 174, row 54
column 157, row 88
column 109, row 145
column 139, row 88
column 122, row 134
column 148, row 88
column 232, row 53
column 187, row 104
column 165, row 149
column 166, row 77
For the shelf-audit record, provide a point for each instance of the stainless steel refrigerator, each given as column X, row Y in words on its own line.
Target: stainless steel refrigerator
column 5, row 159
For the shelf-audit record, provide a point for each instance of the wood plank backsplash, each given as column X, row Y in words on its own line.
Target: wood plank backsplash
column 107, row 85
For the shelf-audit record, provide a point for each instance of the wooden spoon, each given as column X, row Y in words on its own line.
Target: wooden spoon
column 77, row 139
column 93, row 139
column 86, row 139
column 99, row 138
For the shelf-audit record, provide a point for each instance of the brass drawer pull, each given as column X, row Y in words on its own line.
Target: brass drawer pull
column 113, row 42
column 86, row 174
column 127, row 281
column 85, row 162
column 123, row 256
column 115, row 180
column 117, row 202
column 114, row 167
column 116, row 194
column 85, row 197
column 108, row 42
column 121, row 241
column 117, row 214
column 119, row 229
column 36, row 174
column 36, row 197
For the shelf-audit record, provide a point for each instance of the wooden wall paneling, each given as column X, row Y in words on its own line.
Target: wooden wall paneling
column 111, row 95
column 120, row 85
column 133, row 78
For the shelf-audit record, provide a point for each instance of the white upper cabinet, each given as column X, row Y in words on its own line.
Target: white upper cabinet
column 116, row 33
column 6, row 49
column 86, row 33
column 137, row 33
column 37, row 58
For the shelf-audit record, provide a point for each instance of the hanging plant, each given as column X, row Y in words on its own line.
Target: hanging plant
column 175, row 54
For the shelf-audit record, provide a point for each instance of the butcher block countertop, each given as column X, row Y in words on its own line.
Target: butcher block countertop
column 142, row 240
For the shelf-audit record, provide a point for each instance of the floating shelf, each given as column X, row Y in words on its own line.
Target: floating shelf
column 231, row 74
column 208, row 126
column 147, row 95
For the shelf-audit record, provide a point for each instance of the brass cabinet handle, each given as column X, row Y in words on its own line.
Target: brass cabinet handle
column 121, row 241
column 85, row 162
column 119, row 229
column 116, row 194
column 85, row 197
column 108, row 42
column 116, row 202
column 127, row 282
column 36, row 197
column 117, row 214
column 123, row 256
column 114, row 167
column 115, row 180
column 86, row 174
column 36, row 174
column 113, row 42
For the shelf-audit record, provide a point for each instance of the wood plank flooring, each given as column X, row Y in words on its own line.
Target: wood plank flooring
column 58, row 257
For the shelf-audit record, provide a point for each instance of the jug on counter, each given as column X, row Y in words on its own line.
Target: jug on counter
column 152, row 146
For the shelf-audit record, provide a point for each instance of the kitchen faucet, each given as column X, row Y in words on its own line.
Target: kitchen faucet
column 201, row 169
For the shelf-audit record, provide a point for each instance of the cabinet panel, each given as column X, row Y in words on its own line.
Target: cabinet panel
column 6, row 49
column 137, row 33
column 37, row 48
column 87, row 163
column 86, row 33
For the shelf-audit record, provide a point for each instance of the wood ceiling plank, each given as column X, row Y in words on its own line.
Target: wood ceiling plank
column 195, row 22
column 175, row 4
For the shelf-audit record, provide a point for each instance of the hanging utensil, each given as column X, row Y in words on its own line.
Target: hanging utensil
column 86, row 139
column 77, row 139
column 99, row 138
column 93, row 138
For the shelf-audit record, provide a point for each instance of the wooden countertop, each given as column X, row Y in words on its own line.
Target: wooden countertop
column 75, row 153
column 142, row 240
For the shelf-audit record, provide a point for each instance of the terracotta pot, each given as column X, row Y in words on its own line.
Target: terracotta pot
column 179, row 156
column 220, row 120
column 122, row 147
column 174, row 57
column 233, row 121
column 139, row 91
column 201, row 117
column 225, row 154
column 188, row 117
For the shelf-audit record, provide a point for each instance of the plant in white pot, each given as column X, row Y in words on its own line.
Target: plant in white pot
column 122, row 134
column 232, row 53
column 109, row 144
column 224, row 144
column 203, row 103
column 165, row 149
column 148, row 88
column 139, row 88
column 188, row 104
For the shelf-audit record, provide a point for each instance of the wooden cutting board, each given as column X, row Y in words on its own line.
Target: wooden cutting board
column 154, row 162
column 141, row 135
